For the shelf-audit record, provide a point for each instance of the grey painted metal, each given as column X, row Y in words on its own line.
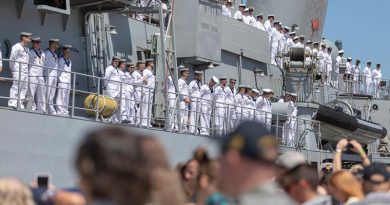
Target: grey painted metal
column 198, row 30
column 300, row 12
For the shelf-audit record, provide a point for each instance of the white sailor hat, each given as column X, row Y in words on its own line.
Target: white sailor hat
column 267, row 90
column 340, row 51
column 369, row 62
column 36, row 39
column 276, row 22
column 349, row 59
column 287, row 93
column 294, row 94
column 258, row 15
column 198, row 72
column 54, row 40
column 295, row 38
column 317, row 42
column 223, row 78
column 229, row 1
column 308, row 41
column 149, row 60
column 286, row 27
column 302, row 36
column 242, row 86
column 215, row 79
column 242, row 5
column 233, row 79
column 256, row 91
column 122, row 60
column 182, row 68
column 271, row 15
column 116, row 57
column 324, row 45
column 25, row 34
column 246, row 10
column 292, row 33
column 139, row 62
column 66, row 46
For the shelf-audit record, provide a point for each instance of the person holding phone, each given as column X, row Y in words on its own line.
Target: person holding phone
column 344, row 145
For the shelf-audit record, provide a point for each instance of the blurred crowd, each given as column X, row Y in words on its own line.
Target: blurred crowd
column 120, row 166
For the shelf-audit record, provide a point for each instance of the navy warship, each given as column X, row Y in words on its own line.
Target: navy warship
column 193, row 33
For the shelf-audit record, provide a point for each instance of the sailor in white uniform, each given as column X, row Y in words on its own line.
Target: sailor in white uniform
column 252, row 104
column 252, row 19
column 220, row 109
column 37, row 86
column 308, row 50
column 138, row 89
column 285, row 127
column 147, row 99
column 259, row 23
column 170, row 87
column 292, row 112
column 356, row 75
column 247, row 105
column 265, row 108
column 230, row 92
column 295, row 42
column 51, row 73
column 290, row 41
column 301, row 42
column 376, row 80
column 112, row 81
column 268, row 24
column 20, row 54
column 245, row 17
column 129, row 95
column 123, row 94
column 239, row 102
column 185, row 99
column 64, row 80
column 227, row 9
column 194, row 91
column 321, row 62
column 275, row 39
column 240, row 13
column 367, row 77
column 347, row 75
column 328, row 65
column 339, row 60
column 207, row 99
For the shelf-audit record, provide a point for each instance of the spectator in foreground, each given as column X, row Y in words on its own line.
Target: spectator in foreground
column 247, row 166
column 69, row 198
column 376, row 185
column 13, row 192
column 345, row 187
column 301, row 184
column 119, row 167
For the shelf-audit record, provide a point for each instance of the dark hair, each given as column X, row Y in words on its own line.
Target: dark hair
column 148, row 63
column 111, row 162
column 201, row 155
column 302, row 172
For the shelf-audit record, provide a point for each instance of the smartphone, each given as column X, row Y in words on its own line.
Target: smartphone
column 43, row 180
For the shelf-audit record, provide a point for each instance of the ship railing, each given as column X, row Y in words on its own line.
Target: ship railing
column 212, row 118
column 378, row 151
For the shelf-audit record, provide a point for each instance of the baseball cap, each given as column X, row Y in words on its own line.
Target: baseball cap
column 290, row 159
column 252, row 140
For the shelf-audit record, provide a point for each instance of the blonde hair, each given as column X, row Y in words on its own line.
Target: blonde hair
column 347, row 183
column 13, row 192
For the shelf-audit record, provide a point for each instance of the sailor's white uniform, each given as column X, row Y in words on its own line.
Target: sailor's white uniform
column 265, row 108
column 238, row 15
column 64, row 79
column 259, row 25
column 356, row 82
column 230, row 111
column 348, row 71
column 249, row 108
column 226, row 11
column 220, row 112
column 328, row 67
column 368, row 79
column 239, row 102
column 147, row 98
column 194, row 91
column 207, row 98
column 171, row 103
column 112, row 82
column 376, row 80
column 138, row 88
column 275, row 35
column 37, row 86
column 291, row 122
column 128, row 103
column 337, row 71
column 51, row 66
column 268, row 26
column 184, row 93
column 19, row 70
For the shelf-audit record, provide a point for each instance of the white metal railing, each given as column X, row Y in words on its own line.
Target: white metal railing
column 212, row 122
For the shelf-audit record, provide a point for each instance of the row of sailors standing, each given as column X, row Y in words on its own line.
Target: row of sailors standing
column 133, row 88
column 36, row 73
column 230, row 106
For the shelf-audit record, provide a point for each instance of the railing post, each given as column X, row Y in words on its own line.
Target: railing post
column 97, row 100
column 277, row 126
column 19, row 85
column 73, row 95
column 120, row 104
column 47, row 90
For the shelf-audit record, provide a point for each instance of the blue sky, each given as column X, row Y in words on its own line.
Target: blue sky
column 357, row 23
